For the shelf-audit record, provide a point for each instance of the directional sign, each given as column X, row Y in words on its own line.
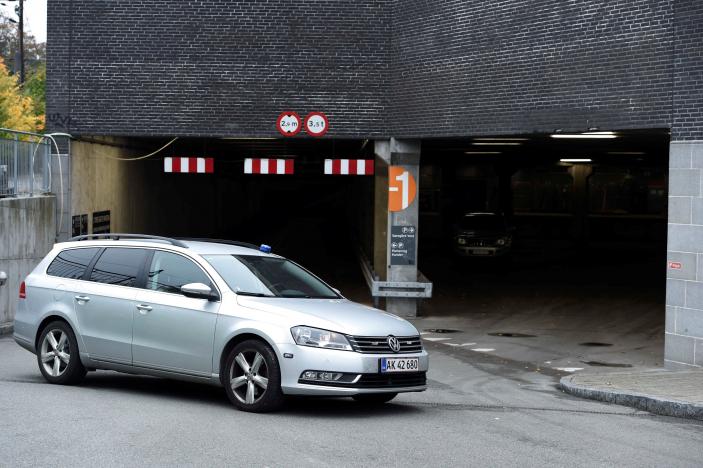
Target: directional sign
column 403, row 242
column 316, row 124
column 288, row 123
column 402, row 188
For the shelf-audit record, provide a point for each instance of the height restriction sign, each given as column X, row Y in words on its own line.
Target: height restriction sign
column 402, row 188
column 288, row 123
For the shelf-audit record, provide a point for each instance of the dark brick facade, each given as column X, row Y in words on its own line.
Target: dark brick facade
column 215, row 67
column 404, row 68
column 688, row 78
column 491, row 67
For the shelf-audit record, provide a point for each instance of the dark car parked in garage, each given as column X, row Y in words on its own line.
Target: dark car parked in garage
column 482, row 234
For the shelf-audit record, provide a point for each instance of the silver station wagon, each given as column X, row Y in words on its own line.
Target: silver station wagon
column 227, row 313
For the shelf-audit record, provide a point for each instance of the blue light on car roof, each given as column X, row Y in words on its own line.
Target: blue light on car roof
column 265, row 248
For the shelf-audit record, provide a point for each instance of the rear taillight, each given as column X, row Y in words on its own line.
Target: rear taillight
column 23, row 291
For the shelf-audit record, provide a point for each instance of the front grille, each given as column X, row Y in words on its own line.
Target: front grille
column 379, row 344
column 414, row 379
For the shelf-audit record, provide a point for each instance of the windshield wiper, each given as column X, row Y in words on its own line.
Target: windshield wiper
column 253, row 294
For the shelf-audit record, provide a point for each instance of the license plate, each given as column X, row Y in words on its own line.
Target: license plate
column 481, row 252
column 399, row 365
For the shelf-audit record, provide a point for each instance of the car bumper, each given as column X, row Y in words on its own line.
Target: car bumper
column 362, row 372
column 468, row 251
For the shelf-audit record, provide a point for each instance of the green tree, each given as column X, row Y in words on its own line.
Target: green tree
column 16, row 108
column 35, row 82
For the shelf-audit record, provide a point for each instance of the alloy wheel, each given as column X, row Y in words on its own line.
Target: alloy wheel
column 248, row 376
column 55, row 352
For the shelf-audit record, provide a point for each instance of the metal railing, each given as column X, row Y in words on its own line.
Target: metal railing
column 24, row 164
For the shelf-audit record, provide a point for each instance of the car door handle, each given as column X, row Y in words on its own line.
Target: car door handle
column 82, row 299
column 144, row 309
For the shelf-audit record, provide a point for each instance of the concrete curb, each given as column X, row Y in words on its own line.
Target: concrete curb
column 6, row 328
column 653, row 404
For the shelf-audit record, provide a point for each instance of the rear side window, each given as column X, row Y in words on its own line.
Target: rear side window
column 71, row 263
column 168, row 272
column 118, row 266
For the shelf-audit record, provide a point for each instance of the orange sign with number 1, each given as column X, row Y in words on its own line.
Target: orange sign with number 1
column 402, row 188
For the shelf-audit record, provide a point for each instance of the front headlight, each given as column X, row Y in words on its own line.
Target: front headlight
column 317, row 338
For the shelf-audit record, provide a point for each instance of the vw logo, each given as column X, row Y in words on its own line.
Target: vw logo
column 393, row 343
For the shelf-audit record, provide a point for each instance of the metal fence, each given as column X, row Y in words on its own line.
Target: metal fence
column 24, row 165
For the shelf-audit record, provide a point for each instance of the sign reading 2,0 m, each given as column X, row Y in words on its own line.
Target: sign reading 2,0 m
column 402, row 188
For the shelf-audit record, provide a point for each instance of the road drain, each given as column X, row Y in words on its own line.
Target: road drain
column 512, row 335
column 594, row 343
column 605, row 364
column 441, row 330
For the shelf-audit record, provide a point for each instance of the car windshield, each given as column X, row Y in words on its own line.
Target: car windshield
column 482, row 222
column 262, row 276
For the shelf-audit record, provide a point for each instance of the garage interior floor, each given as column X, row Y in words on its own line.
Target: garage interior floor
column 600, row 309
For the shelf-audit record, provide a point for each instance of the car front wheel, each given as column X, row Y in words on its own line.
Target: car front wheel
column 253, row 380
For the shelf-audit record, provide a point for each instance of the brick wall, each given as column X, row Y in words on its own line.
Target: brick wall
column 215, row 67
column 407, row 68
column 488, row 67
column 688, row 77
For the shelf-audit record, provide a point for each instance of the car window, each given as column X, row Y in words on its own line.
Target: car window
column 118, row 266
column 260, row 275
column 71, row 263
column 168, row 272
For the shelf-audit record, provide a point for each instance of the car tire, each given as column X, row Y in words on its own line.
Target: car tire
column 57, row 355
column 374, row 398
column 252, row 377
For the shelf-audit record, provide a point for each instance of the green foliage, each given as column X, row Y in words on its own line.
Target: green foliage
column 16, row 108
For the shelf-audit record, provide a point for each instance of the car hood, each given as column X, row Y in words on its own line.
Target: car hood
column 339, row 315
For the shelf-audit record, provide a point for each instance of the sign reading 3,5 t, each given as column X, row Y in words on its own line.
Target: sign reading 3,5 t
column 402, row 188
column 316, row 124
column 288, row 123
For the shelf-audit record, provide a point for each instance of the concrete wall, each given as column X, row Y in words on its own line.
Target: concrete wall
column 27, row 233
column 684, row 284
column 102, row 181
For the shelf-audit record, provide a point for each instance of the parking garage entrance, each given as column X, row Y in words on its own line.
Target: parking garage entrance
column 560, row 237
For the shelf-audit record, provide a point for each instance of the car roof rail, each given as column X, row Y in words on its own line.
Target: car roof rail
column 247, row 245
column 119, row 236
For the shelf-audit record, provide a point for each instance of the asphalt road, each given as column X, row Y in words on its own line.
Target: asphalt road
column 478, row 411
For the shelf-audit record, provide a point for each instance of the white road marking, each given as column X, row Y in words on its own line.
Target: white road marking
column 459, row 345
column 483, row 350
column 435, row 338
column 568, row 369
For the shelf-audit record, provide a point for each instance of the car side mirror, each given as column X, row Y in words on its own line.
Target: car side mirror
column 3, row 278
column 199, row 291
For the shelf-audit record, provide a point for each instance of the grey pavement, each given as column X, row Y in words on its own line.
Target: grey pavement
column 480, row 410
column 661, row 391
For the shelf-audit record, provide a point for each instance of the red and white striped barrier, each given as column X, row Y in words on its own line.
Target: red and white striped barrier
column 349, row 166
column 268, row 166
column 189, row 165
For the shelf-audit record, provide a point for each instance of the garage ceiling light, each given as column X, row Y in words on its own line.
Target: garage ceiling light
column 483, row 152
column 576, row 160
column 585, row 135
column 496, row 143
column 633, row 153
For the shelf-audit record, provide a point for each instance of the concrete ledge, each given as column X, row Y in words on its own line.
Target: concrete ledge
column 6, row 328
column 669, row 393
